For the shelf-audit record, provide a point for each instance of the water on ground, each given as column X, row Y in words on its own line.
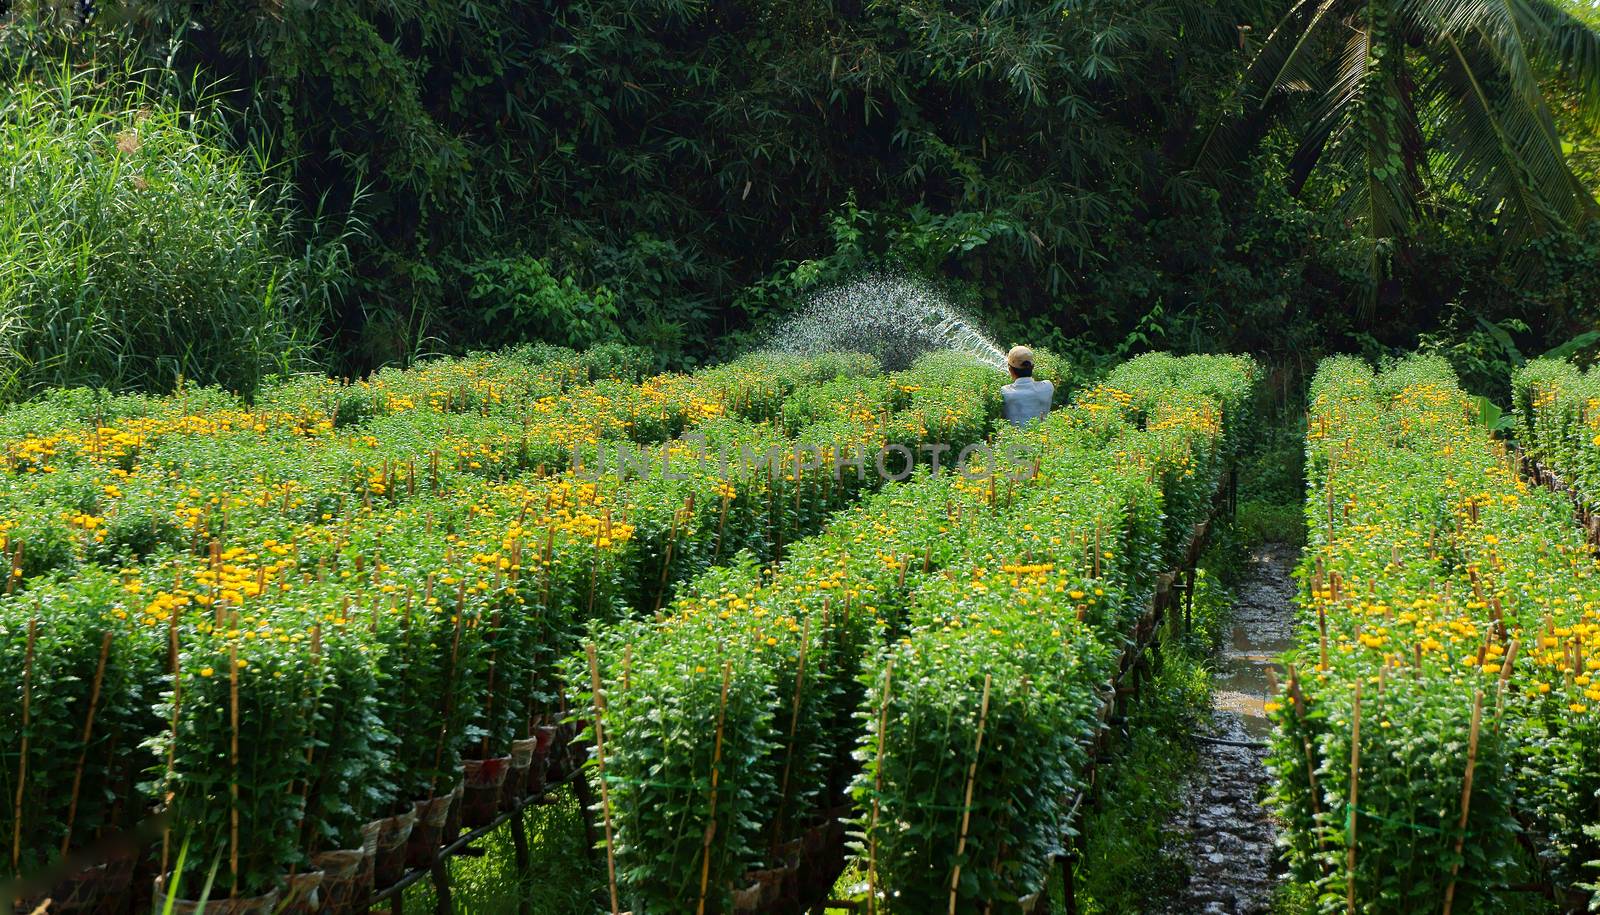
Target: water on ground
column 1229, row 844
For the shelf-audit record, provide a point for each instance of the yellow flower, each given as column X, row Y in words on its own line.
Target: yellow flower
column 206, row 672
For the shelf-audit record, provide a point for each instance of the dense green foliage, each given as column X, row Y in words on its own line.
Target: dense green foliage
column 136, row 248
column 1427, row 98
column 675, row 172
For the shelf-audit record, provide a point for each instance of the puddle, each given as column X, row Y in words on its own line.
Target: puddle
column 1230, row 849
column 1263, row 629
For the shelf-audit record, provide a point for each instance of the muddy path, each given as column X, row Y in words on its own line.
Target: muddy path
column 1227, row 835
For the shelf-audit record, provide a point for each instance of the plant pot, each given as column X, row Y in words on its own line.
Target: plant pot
column 365, row 877
column 538, row 771
column 426, row 838
column 515, row 787
column 346, row 878
column 301, row 894
column 265, row 904
column 482, row 782
column 391, row 844
column 103, row 887
column 452, row 816
column 764, row 891
column 560, row 762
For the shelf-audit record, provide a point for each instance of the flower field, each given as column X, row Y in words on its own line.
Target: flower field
column 930, row 667
column 279, row 623
column 1437, row 739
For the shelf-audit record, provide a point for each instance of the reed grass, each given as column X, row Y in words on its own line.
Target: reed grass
column 138, row 248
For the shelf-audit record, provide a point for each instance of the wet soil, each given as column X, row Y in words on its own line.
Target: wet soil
column 1229, row 835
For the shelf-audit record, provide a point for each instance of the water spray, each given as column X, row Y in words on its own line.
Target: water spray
column 894, row 318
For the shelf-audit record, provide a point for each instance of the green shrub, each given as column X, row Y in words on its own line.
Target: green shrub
column 137, row 249
column 517, row 298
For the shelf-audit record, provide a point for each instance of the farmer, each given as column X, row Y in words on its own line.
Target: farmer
column 1025, row 399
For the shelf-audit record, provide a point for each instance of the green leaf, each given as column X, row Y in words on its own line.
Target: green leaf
column 1574, row 346
column 1504, row 339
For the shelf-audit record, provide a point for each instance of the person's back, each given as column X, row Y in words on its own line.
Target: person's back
column 1025, row 399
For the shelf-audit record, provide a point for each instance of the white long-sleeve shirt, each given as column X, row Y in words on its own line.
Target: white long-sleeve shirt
column 1027, row 399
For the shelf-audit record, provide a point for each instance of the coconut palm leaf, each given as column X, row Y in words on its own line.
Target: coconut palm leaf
column 1390, row 96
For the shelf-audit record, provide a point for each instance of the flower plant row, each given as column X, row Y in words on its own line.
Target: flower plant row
column 850, row 681
column 354, row 616
column 178, row 472
column 1437, row 737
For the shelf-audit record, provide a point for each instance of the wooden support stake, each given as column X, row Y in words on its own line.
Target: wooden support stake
column 1355, row 768
column 877, row 791
column 972, row 776
column 16, row 568
column 449, row 691
column 172, row 744
column 666, row 567
column 1322, row 629
column 22, row 761
column 233, row 780
column 443, row 903
column 716, row 779
column 1466, row 799
column 794, row 727
column 600, row 765
column 88, row 731
column 722, row 521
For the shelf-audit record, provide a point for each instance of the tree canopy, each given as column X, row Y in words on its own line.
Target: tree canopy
column 1283, row 176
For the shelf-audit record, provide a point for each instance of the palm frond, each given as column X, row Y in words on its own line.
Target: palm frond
column 1281, row 55
column 1495, row 146
column 1573, row 46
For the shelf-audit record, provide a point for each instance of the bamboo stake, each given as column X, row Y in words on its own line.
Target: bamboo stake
column 488, row 711
column 172, row 744
column 794, row 727
column 449, row 695
column 88, row 730
column 1322, row 637
column 972, row 776
column 1355, row 766
column 233, row 782
column 1466, row 799
column 716, row 779
column 22, row 762
column 600, row 761
column 1505, row 676
column 722, row 521
column 1097, row 547
column 877, row 792
column 666, row 565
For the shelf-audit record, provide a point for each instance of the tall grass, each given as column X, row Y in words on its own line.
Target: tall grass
column 137, row 248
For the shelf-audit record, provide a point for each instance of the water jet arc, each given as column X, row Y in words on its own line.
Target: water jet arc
column 894, row 318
